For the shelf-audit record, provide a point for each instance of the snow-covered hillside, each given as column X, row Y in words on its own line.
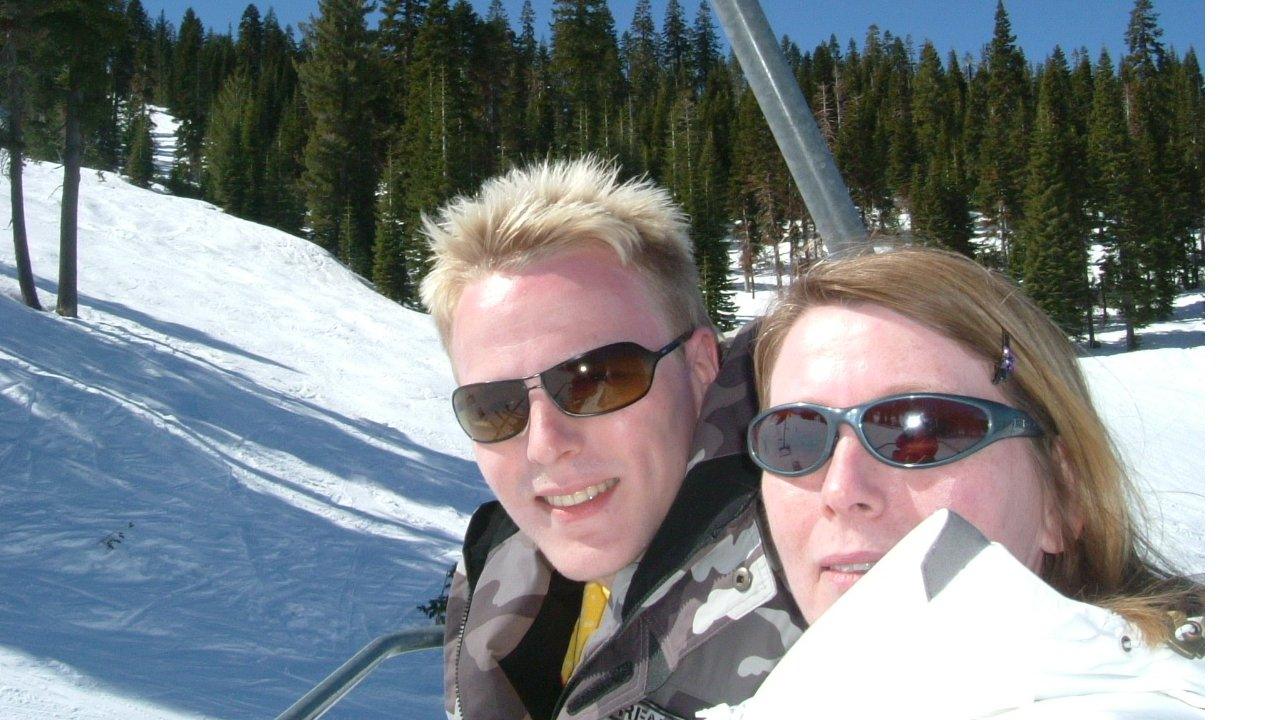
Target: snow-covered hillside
column 239, row 465
column 235, row 469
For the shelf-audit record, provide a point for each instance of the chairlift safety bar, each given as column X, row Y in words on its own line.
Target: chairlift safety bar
column 341, row 681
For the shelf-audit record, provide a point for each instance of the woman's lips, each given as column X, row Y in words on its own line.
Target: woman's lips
column 851, row 563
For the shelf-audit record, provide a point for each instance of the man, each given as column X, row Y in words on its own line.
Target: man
column 569, row 305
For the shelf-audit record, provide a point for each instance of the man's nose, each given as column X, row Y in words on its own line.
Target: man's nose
column 552, row 434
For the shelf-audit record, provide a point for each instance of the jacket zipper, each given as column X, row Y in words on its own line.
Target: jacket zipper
column 457, row 655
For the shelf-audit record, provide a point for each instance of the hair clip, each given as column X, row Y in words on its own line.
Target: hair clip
column 1004, row 366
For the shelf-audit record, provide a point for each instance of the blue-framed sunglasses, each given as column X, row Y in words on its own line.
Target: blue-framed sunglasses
column 915, row 430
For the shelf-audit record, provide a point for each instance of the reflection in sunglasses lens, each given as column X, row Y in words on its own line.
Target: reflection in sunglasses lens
column 792, row 439
column 602, row 380
column 923, row 430
column 492, row 411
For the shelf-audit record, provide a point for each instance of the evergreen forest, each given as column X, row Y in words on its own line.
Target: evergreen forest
column 1080, row 174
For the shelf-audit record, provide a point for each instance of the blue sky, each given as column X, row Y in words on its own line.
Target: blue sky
column 963, row 25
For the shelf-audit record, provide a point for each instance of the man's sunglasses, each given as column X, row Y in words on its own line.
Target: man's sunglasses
column 916, row 430
column 594, row 383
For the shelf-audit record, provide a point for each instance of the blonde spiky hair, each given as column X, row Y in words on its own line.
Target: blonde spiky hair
column 555, row 206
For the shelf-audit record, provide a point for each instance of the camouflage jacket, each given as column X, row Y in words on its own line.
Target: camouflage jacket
column 699, row 620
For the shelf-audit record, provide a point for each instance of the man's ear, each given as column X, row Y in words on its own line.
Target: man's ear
column 1063, row 516
column 702, row 353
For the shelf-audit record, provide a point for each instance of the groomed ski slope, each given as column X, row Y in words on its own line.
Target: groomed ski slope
column 239, row 465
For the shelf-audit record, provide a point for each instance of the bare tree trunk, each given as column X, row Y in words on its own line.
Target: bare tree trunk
column 777, row 260
column 13, row 142
column 1102, row 298
column 1088, row 311
column 791, row 249
column 746, row 258
column 68, row 296
column 26, row 281
column 1130, row 337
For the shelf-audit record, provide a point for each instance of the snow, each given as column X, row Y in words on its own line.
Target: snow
column 239, row 465
column 270, row 439
column 164, row 134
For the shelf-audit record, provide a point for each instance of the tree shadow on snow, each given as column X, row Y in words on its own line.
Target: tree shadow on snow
column 145, row 545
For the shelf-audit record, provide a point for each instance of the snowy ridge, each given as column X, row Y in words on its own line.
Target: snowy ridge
column 239, row 465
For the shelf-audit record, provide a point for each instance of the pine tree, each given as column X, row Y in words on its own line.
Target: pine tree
column 226, row 161
column 1147, row 110
column 586, row 74
column 957, row 101
column 1122, row 216
column 939, row 206
column 939, row 202
column 677, row 55
column 535, row 103
column 140, row 150
column 498, row 127
column 187, row 104
column 1055, row 264
column 643, row 64
column 397, row 27
column 895, row 119
column 163, row 43
column 825, row 99
column 862, row 147
column 704, row 47
column 930, row 103
column 1188, row 146
column 287, row 203
column 129, row 66
column 1002, row 155
column 395, row 229
column 340, row 158
column 760, row 183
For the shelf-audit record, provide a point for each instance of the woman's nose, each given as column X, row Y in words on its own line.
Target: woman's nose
column 854, row 482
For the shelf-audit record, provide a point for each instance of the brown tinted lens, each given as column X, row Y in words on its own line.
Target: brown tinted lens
column 493, row 411
column 923, row 430
column 602, row 380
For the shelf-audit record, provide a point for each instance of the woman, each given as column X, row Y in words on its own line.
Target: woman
column 915, row 381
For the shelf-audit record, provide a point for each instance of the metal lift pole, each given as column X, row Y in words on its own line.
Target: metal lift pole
column 787, row 112
column 341, row 681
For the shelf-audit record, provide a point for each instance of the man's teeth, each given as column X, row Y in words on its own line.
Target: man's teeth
column 853, row 567
column 581, row 496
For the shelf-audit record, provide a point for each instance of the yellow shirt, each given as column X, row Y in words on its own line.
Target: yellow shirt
column 595, row 597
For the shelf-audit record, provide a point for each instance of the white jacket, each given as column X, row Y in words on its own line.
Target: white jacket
column 950, row 625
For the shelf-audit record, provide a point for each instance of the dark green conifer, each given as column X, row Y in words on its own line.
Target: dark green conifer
column 1122, row 217
column 226, row 162
column 1002, row 151
column 140, row 151
column 1054, row 265
column 341, row 157
column 677, row 53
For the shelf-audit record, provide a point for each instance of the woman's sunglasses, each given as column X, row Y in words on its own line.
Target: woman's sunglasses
column 594, row 383
column 916, row 430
